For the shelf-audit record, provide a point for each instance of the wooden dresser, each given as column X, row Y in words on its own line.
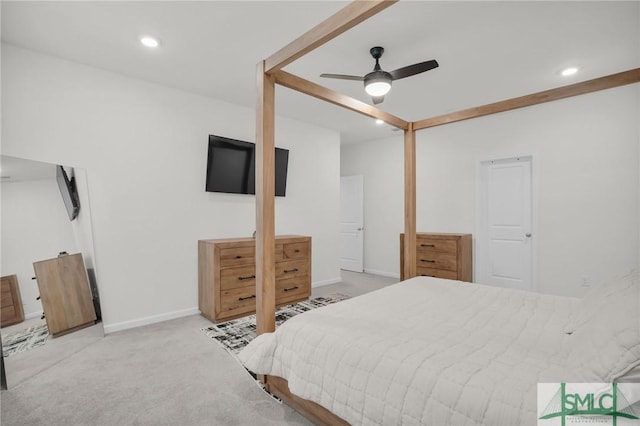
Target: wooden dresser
column 11, row 308
column 65, row 293
column 227, row 275
column 441, row 255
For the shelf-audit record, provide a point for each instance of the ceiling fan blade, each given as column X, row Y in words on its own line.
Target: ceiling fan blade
column 414, row 69
column 377, row 99
column 343, row 77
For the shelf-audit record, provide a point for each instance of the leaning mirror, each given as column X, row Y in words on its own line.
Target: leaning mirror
column 50, row 300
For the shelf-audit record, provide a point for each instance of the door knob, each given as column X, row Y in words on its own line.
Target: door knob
column 360, row 229
column 528, row 235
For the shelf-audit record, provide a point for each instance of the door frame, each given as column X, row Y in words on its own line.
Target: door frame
column 481, row 236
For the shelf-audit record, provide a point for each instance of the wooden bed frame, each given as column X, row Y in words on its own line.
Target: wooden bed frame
column 269, row 73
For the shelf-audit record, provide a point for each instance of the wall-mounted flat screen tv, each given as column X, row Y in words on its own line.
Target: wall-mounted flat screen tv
column 231, row 167
column 69, row 193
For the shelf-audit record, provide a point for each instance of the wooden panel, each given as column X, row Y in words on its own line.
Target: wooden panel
column 602, row 83
column 409, row 248
column 206, row 278
column 65, row 293
column 430, row 245
column 348, row 17
column 296, row 250
column 265, row 203
column 292, row 268
column 465, row 258
column 317, row 91
column 241, row 276
column 312, row 411
column 235, row 256
column 290, row 290
column 436, row 260
column 438, row 273
column 10, row 301
column 5, row 297
column 8, row 315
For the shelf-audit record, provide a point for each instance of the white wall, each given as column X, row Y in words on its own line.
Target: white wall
column 587, row 153
column 144, row 149
column 35, row 226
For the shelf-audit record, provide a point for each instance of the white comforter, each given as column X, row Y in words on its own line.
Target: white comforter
column 424, row 351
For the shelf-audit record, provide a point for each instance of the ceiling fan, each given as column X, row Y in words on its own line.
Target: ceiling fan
column 378, row 82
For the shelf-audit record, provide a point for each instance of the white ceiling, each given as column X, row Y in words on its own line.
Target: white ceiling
column 488, row 51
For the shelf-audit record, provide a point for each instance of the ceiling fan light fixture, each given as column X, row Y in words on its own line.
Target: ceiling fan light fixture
column 377, row 88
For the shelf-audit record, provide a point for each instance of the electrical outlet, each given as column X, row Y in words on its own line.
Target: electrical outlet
column 586, row 281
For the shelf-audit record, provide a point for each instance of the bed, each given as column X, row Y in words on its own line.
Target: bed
column 435, row 351
column 439, row 352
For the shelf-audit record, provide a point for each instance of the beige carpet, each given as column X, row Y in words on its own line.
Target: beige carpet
column 163, row 374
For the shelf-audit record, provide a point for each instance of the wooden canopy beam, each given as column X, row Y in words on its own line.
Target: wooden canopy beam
column 409, row 203
column 317, row 91
column 346, row 18
column 602, row 83
column 265, row 203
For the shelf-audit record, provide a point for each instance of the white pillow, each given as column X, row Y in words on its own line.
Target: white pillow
column 605, row 344
column 596, row 298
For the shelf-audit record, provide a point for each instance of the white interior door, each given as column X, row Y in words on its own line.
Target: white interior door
column 504, row 255
column 351, row 223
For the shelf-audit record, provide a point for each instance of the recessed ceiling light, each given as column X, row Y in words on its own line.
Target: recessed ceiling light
column 149, row 41
column 378, row 121
column 569, row 71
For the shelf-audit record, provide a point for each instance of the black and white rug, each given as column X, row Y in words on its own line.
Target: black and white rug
column 234, row 335
column 24, row 340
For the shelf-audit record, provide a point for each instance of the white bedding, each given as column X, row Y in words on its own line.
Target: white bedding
column 424, row 351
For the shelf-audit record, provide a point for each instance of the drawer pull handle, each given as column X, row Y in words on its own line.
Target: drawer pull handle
column 291, row 288
column 297, row 250
column 286, row 271
column 423, row 275
column 427, row 245
column 247, row 298
column 238, row 257
column 246, row 277
column 427, row 260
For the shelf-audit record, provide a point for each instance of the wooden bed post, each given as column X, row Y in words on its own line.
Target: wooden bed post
column 265, row 203
column 409, row 202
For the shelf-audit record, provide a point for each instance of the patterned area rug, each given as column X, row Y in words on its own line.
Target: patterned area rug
column 234, row 335
column 24, row 340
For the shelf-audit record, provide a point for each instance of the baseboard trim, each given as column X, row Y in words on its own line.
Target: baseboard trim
column 32, row 315
column 326, row 282
column 383, row 273
column 125, row 325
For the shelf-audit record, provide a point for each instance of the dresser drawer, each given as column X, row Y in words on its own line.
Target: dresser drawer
column 237, row 299
column 430, row 245
column 240, row 276
column 295, row 251
column 436, row 260
column 438, row 273
column 236, row 256
column 292, row 289
column 292, row 269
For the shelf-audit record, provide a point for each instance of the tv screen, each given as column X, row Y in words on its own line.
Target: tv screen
column 69, row 193
column 231, row 167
